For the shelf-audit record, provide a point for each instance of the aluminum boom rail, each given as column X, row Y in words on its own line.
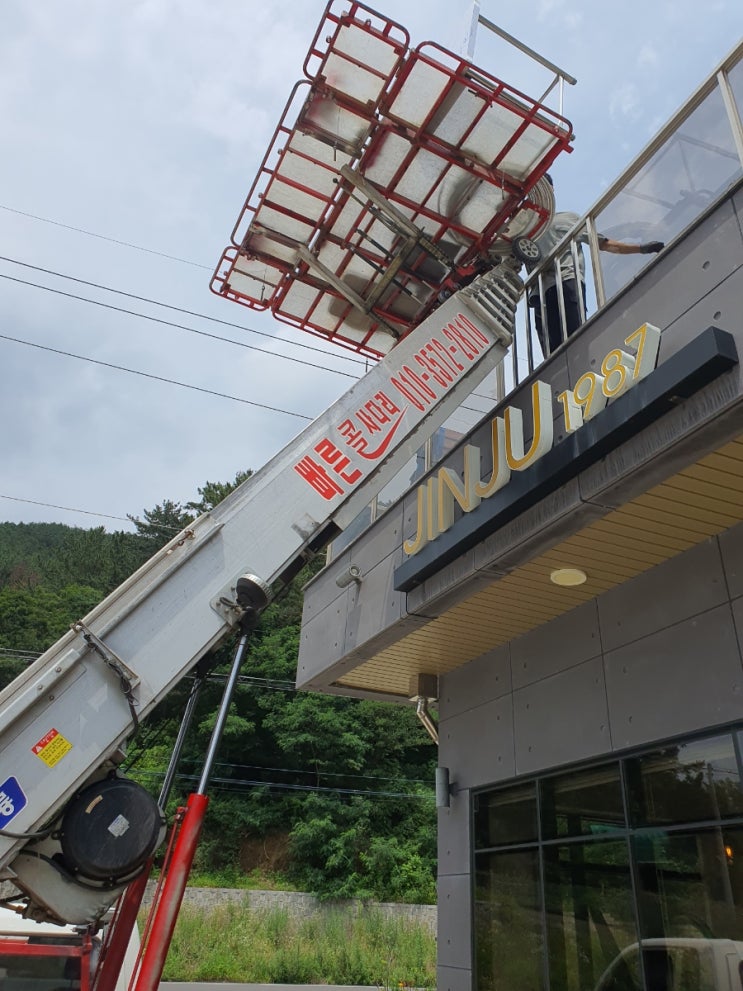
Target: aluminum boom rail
column 72, row 710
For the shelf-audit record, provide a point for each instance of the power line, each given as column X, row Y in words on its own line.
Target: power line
column 176, row 309
column 313, row 771
column 246, row 784
column 89, row 512
column 69, row 509
column 156, row 378
column 103, row 237
column 171, row 323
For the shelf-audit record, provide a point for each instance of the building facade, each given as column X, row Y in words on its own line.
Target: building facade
column 565, row 588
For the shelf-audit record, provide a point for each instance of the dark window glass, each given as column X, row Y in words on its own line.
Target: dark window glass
column 690, row 884
column 506, row 816
column 689, row 782
column 39, row 972
column 582, row 803
column 508, row 922
column 590, row 915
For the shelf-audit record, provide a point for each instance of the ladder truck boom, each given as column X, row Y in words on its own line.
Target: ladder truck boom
column 65, row 721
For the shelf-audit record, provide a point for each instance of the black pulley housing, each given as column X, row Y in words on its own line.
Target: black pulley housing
column 110, row 829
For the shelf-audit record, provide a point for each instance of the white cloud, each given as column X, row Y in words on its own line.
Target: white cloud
column 648, row 57
column 625, row 102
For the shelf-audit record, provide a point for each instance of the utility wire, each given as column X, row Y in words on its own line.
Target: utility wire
column 246, row 784
column 156, row 378
column 313, row 771
column 190, row 330
column 171, row 323
column 176, row 309
column 69, row 509
column 102, row 237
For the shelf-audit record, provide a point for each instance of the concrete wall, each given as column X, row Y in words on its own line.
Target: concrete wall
column 297, row 903
column 658, row 657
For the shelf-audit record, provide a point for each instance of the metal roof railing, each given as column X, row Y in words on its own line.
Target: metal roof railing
column 689, row 164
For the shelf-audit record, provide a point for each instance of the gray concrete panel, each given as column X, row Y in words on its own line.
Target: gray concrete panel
column 712, row 253
column 367, row 552
column 737, row 608
column 688, row 584
column 477, row 746
column 453, row 979
column 486, row 678
column 737, row 201
column 561, row 719
column 731, row 548
column 454, row 835
column 377, row 606
column 454, row 922
column 719, row 308
column 560, row 644
column 322, row 590
column 685, row 678
column 321, row 642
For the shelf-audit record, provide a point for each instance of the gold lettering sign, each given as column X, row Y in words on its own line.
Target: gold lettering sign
column 619, row 371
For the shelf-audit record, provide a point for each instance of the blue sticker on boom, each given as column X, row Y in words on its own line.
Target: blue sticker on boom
column 12, row 800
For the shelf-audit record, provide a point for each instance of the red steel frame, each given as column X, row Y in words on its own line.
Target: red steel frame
column 377, row 123
column 23, row 947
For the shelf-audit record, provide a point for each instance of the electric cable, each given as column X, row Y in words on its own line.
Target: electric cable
column 246, row 784
column 103, row 237
column 177, row 326
column 70, row 509
column 176, row 309
column 156, row 378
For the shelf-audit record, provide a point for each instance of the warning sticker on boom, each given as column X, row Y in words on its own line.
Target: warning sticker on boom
column 52, row 747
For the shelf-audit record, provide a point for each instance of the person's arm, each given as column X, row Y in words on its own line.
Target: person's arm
column 622, row 248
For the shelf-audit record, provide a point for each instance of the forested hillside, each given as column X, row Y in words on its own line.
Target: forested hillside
column 329, row 795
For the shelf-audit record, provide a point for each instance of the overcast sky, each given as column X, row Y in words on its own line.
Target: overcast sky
column 143, row 124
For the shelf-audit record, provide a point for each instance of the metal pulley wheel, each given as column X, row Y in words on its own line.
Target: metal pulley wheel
column 526, row 250
column 110, row 829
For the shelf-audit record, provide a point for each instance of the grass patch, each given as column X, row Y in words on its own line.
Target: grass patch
column 236, row 943
column 255, row 880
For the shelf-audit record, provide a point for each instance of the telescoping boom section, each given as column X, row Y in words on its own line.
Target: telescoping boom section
column 65, row 719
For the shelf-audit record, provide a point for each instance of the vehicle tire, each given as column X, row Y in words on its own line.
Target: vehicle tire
column 526, row 250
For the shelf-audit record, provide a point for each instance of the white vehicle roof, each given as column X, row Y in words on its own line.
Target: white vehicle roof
column 12, row 924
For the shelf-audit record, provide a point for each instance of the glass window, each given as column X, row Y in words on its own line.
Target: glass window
column 506, row 816
column 508, row 922
column 689, row 782
column 582, row 803
column 590, row 915
column 690, row 884
column 735, row 78
column 697, row 163
column 579, row 908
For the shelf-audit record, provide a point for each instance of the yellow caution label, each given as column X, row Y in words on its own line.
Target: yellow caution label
column 52, row 747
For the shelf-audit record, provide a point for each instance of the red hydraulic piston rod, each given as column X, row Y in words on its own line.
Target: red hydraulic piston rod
column 171, row 896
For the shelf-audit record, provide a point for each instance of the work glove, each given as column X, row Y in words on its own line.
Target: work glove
column 651, row 248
